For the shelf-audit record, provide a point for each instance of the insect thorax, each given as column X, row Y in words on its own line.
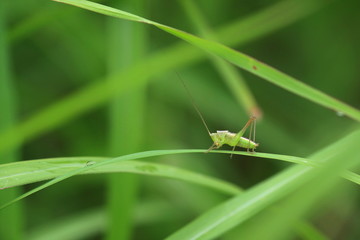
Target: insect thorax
column 222, row 137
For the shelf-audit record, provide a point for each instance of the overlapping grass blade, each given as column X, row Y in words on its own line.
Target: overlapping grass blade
column 232, row 78
column 25, row 172
column 225, row 216
column 85, row 166
column 91, row 165
column 239, row 59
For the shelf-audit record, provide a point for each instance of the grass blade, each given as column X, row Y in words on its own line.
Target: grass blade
column 12, row 216
column 240, row 208
column 239, row 59
column 25, row 172
column 126, row 120
column 92, row 165
column 232, row 78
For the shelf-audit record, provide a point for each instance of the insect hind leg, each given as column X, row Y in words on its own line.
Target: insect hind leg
column 252, row 135
column 233, row 149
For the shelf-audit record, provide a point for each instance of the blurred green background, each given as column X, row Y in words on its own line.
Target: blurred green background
column 52, row 52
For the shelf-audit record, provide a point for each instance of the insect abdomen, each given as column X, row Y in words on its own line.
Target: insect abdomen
column 243, row 142
column 246, row 143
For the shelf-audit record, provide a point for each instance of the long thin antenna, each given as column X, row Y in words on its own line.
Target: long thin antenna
column 193, row 103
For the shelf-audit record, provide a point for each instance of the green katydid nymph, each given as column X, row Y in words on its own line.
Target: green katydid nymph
column 225, row 137
column 235, row 139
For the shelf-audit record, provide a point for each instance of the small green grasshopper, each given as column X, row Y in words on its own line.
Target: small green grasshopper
column 225, row 137
column 235, row 139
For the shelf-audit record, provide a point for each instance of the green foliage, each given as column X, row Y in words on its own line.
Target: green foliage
column 113, row 91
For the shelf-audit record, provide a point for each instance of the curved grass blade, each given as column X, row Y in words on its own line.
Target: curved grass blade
column 25, row 172
column 239, row 59
column 92, row 166
column 235, row 211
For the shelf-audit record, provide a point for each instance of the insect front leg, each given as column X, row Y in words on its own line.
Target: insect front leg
column 215, row 145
